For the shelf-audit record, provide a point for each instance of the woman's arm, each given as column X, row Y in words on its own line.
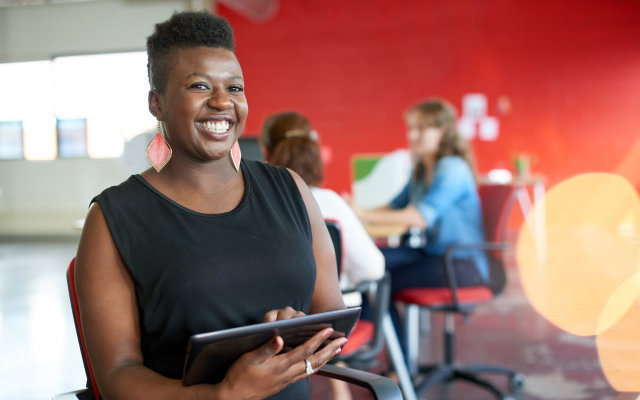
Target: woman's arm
column 408, row 215
column 326, row 294
column 452, row 179
column 110, row 321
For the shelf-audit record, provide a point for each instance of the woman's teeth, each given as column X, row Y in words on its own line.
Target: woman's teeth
column 215, row 127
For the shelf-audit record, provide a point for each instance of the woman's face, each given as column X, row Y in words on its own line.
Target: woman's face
column 424, row 139
column 204, row 108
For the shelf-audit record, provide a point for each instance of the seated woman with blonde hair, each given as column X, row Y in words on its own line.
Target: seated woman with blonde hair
column 441, row 199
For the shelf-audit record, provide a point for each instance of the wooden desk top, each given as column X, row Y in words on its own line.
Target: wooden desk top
column 385, row 230
column 528, row 181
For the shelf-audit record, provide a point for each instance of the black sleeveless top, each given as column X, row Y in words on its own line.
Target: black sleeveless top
column 197, row 273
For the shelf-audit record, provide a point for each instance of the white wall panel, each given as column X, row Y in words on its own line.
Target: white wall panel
column 29, row 33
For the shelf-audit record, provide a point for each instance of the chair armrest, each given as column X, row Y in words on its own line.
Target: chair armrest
column 380, row 387
column 84, row 394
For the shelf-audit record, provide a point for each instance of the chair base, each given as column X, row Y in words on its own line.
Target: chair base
column 449, row 372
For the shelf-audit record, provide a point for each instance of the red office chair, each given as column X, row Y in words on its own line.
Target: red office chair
column 380, row 387
column 497, row 201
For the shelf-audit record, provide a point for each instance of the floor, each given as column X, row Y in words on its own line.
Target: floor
column 509, row 332
column 39, row 354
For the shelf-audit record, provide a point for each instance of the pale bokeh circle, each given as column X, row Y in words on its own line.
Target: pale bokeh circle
column 619, row 350
column 628, row 396
column 619, row 345
column 592, row 247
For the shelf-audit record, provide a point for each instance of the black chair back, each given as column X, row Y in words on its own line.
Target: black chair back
column 334, row 232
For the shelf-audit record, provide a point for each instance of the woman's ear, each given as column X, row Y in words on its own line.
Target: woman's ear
column 154, row 104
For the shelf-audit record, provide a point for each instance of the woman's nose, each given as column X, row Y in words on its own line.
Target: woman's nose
column 220, row 101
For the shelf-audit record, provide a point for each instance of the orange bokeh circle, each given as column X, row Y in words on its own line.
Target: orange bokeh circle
column 619, row 342
column 592, row 247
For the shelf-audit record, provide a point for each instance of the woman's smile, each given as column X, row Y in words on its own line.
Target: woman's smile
column 217, row 128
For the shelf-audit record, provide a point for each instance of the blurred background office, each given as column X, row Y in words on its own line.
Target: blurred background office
column 546, row 90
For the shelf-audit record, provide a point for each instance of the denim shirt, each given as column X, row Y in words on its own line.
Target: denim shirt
column 451, row 208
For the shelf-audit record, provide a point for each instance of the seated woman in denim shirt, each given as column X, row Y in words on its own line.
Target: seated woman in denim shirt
column 442, row 199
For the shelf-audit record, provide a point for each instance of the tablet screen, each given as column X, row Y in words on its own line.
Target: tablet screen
column 210, row 355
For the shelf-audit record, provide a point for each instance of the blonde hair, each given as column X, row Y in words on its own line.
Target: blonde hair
column 440, row 113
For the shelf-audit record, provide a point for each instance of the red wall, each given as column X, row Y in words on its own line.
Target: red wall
column 570, row 68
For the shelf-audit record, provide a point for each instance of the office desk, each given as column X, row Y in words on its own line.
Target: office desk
column 385, row 235
column 536, row 222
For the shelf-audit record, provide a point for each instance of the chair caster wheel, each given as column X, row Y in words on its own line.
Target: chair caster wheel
column 516, row 383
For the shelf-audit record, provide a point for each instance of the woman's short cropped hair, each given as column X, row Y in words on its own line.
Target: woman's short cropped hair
column 291, row 143
column 183, row 30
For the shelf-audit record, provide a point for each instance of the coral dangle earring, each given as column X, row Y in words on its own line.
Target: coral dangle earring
column 158, row 150
column 236, row 155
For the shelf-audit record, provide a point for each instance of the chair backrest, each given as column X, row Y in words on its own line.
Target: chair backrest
column 75, row 308
column 497, row 202
column 334, row 231
column 381, row 305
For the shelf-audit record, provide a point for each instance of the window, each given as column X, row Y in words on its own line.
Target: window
column 83, row 106
column 72, row 138
column 110, row 92
column 32, row 109
column 40, row 137
column 11, row 140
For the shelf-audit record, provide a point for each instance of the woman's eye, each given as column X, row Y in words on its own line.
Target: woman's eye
column 200, row 86
column 236, row 89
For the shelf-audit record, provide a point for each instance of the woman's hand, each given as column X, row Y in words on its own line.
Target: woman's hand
column 283, row 313
column 263, row 372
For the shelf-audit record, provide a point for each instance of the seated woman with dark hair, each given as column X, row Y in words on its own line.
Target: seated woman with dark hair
column 202, row 242
column 287, row 139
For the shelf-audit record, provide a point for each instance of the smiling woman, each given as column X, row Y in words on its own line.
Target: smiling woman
column 205, row 79
column 173, row 252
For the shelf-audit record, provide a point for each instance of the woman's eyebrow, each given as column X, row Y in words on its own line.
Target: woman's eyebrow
column 200, row 74
column 207, row 76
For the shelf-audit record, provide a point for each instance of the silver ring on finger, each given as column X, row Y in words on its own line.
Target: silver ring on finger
column 308, row 369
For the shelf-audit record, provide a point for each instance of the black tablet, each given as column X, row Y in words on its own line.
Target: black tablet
column 210, row 355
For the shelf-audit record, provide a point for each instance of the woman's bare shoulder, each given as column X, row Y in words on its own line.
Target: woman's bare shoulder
column 96, row 247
